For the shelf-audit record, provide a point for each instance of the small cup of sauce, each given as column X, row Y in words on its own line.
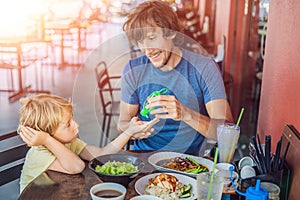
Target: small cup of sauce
column 107, row 190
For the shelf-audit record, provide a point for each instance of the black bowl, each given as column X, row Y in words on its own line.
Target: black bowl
column 123, row 179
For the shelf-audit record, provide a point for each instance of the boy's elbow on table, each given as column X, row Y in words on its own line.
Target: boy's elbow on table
column 76, row 169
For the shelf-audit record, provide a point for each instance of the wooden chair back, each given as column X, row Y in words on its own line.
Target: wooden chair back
column 291, row 135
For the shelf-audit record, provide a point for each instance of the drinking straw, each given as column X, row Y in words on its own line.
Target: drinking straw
column 239, row 119
column 212, row 174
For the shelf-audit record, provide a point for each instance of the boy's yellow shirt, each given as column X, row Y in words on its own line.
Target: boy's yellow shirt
column 39, row 158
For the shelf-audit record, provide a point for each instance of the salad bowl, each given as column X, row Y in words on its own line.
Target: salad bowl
column 117, row 168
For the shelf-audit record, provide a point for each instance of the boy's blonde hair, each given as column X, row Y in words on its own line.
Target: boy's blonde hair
column 44, row 112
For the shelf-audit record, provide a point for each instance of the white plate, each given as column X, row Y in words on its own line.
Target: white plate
column 141, row 183
column 145, row 197
column 156, row 158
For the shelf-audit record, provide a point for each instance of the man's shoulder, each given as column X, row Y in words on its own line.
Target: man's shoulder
column 195, row 57
column 134, row 63
column 199, row 62
column 139, row 61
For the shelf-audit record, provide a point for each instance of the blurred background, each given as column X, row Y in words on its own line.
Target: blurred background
column 46, row 46
column 53, row 46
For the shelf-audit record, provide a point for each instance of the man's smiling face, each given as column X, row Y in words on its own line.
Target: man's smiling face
column 157, row 47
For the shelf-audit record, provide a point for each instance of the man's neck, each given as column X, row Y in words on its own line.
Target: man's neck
column 172, row 60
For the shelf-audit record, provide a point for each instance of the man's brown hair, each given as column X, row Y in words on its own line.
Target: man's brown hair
column 151, row 14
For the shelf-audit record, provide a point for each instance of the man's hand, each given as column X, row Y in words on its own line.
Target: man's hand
column 33, row 137
column 168, row 107
column 140, row 129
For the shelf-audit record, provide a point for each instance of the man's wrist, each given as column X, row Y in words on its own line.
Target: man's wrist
column 187, row 116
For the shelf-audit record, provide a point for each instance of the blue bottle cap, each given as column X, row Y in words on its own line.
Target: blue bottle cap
column 252, row 193
column 256, row 193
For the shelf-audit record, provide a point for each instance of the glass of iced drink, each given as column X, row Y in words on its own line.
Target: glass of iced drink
column 203, row 183
column 228, row 135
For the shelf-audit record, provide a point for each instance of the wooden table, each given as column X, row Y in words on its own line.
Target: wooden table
column 56, row 185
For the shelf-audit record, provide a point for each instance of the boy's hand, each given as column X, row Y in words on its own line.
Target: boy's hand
column 33, row 137
column 140, row 129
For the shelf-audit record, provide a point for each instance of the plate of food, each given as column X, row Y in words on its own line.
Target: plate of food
column 167, row 186
column 180, row 163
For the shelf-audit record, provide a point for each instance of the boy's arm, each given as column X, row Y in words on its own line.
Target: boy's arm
column 127, row 112
column 66, row 161
column 135, row 127
column 90, row 151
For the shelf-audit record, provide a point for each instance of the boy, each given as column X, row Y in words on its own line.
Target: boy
column 47, row 125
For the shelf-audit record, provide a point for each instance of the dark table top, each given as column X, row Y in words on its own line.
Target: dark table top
column 56, row 185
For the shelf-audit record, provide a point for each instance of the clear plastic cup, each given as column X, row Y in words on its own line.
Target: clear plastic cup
column 228, row 136
column 227, row 182
column 273, row 190
column 203, row 184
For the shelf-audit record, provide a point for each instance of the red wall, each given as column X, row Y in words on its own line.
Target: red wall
column 233, row 22
column 280, row 95
column 222, row 25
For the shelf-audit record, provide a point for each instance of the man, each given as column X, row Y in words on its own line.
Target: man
column 194, row 99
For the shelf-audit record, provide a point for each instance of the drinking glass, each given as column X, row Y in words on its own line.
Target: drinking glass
column 228, row 135
column 203, row 184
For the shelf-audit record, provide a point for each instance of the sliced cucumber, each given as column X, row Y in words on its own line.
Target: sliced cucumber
column 187, row 188
column 182, row 190
column 186, row 195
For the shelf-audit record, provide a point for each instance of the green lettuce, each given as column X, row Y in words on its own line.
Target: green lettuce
column 117, row 168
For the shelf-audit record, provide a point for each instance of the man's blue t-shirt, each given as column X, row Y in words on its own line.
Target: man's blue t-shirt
column 195, row 81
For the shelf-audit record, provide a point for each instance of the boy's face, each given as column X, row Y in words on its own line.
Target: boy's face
column 67, row 130
column 157, row 47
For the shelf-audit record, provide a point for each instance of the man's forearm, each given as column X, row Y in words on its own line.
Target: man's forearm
column 201, row 123
column 123, row 126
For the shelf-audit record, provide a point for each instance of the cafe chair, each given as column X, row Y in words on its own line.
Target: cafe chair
column 109, row 105
column 12, row 156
